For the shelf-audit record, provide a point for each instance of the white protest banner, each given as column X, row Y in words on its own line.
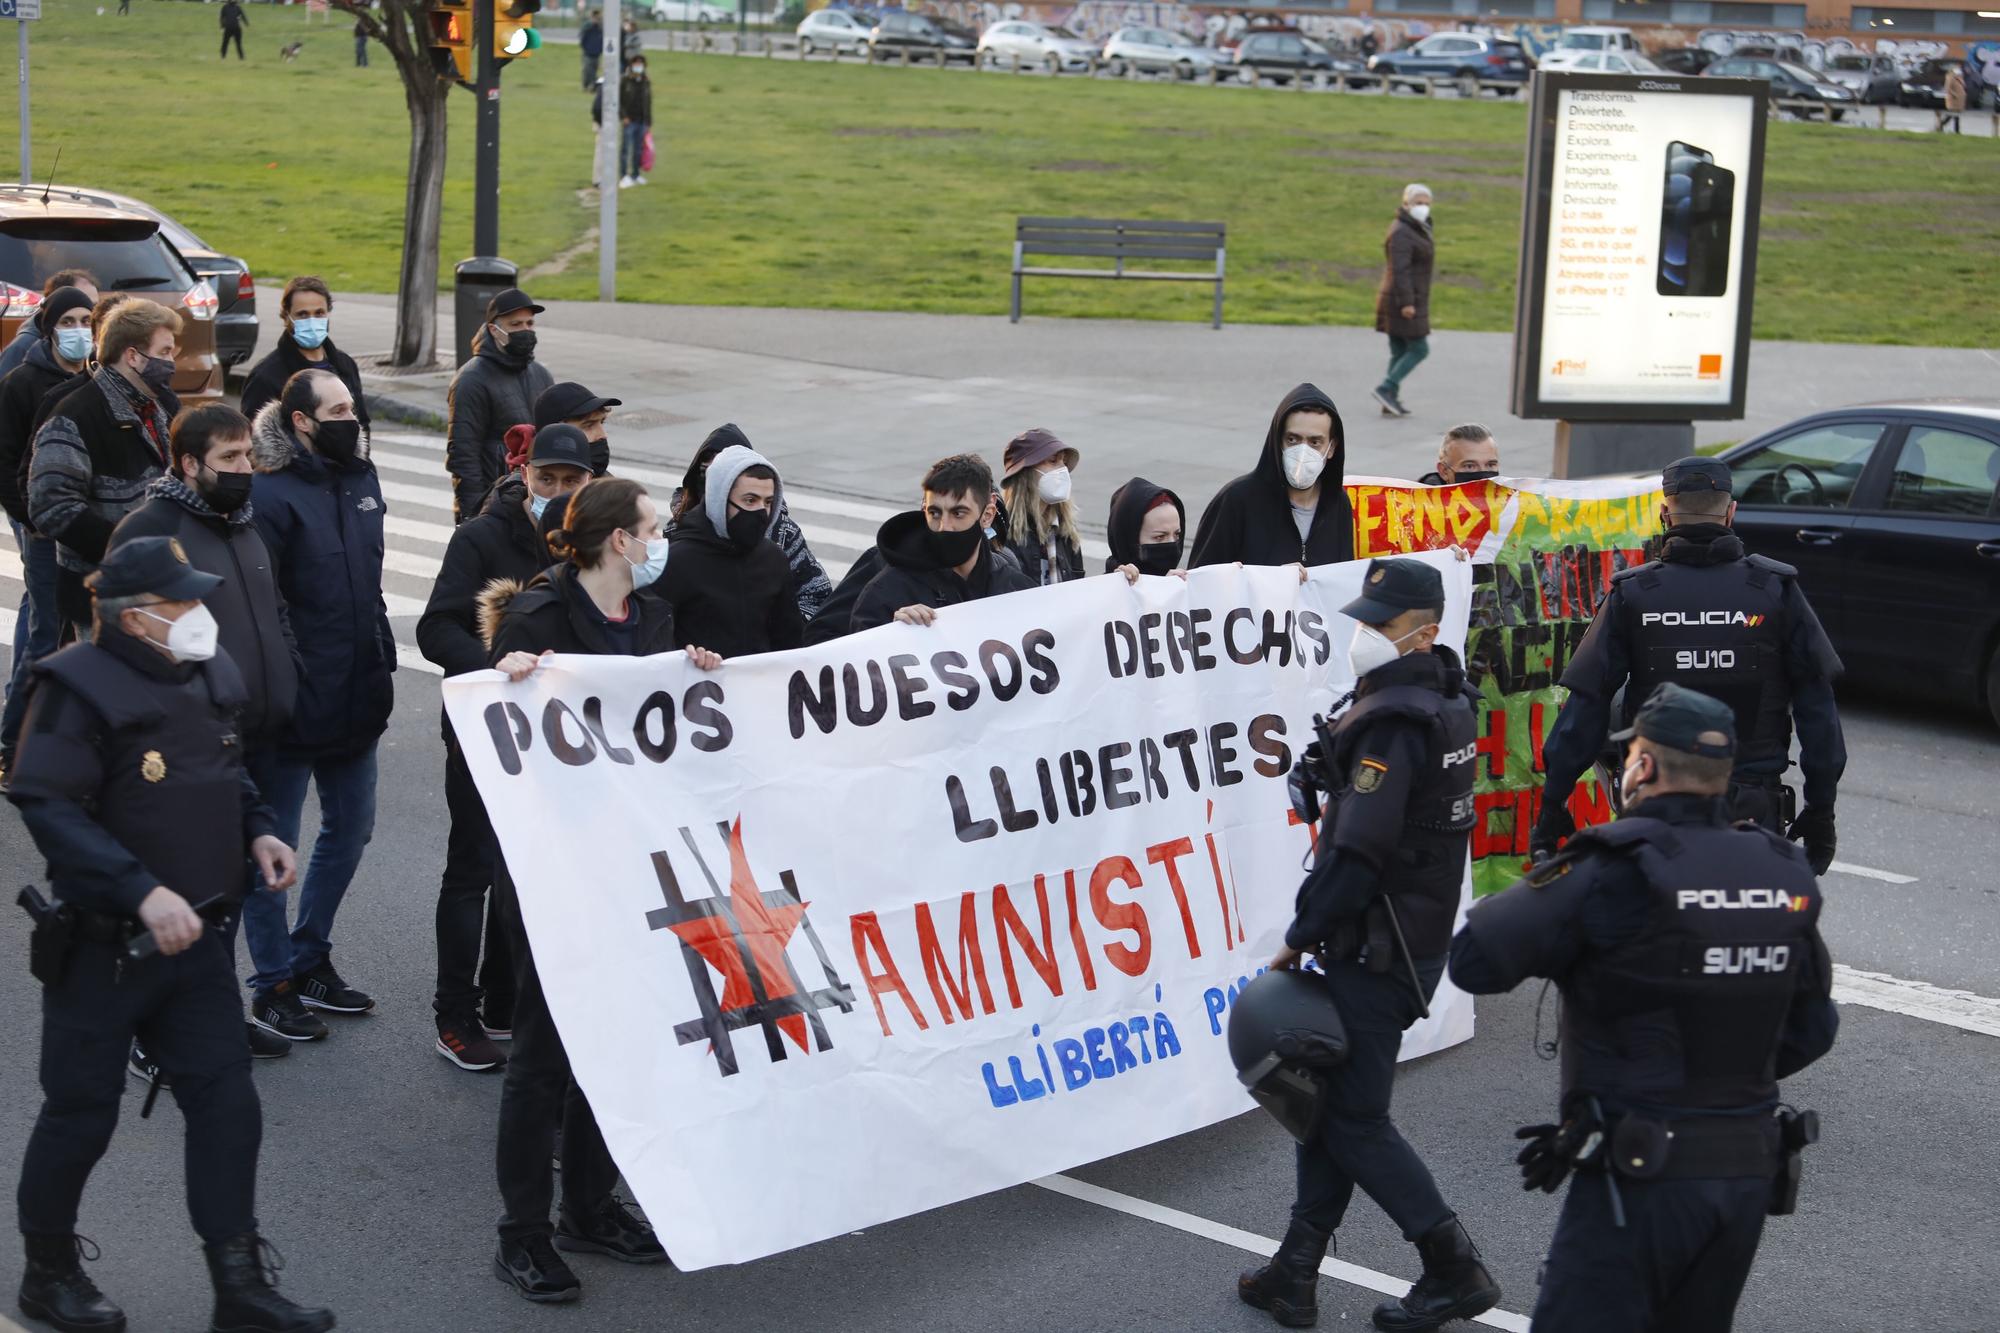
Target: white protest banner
column 837, row 935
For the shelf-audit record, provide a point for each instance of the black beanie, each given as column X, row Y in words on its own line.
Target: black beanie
column 59, row 303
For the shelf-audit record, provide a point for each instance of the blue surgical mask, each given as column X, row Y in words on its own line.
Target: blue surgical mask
column 73, row 344
column 537, row 506
column 309, row 333
column 654, row 565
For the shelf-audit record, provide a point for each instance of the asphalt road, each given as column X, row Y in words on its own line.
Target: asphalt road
column 377, row 1176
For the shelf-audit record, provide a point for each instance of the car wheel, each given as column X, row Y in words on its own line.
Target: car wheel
column 1184, row 71
column 1468, row 83
column 1051, row 63
column 806, row 46
column 1117, row 66
column 1838, row 114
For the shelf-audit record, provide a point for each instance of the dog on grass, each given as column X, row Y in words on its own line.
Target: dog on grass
column 291, row 52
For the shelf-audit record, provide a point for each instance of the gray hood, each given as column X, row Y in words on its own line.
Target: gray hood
column 723, row 470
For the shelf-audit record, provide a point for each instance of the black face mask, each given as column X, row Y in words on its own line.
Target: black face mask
column 157, row 373
column 1458, row 477
column 600, row 457
column 747, row 528
column 520, row 345
column 224, row 492
column 337, row 441
column 1160, row 557
column 952, row 549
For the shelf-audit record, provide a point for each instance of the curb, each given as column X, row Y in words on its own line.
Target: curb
column 401, row 410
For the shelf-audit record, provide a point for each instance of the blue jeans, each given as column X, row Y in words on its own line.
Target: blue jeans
column 346, row 787
column 631, row 148
column 1405, row 354
column 37, row 627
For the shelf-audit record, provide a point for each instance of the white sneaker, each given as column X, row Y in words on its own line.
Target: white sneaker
column 638, row 180
column 624, row 182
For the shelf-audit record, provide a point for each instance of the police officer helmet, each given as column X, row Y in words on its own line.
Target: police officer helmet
column 1285, row 1039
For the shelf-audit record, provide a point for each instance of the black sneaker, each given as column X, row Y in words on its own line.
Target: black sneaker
column 498, row 1020
column 144, row 1067
column 322, row 988
column 533, row 1268
column 611, row 1231
column 266, row 1045
column 278, row 1010
column 1390, row 407
column 464, row 1042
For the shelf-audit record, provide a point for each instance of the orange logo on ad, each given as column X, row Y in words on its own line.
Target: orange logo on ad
column 1710, row 367
column 1571, row 366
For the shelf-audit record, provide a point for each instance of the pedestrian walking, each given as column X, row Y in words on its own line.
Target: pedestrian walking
column 810, row 585
column 1403, row 303
column 629, row 42
column 361, row 44
column 635, row 119
column 728, row 582
column 1041, row 512
column 1292, row 507
column 1954, row 99
column 306, row 309
column 493, row 392
column 233, row 22
column 590, row 40
column 124, row 6
column 133, row 788
column 317, row 504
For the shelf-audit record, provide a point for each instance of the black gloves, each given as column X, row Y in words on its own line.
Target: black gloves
column 1549, row 831
column 1553, row 1150
column 1814, row 828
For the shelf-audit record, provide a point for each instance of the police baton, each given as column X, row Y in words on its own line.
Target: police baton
column 145, row 944
column 1403, row 951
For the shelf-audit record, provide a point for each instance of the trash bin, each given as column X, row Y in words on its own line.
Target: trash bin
column 475, row 282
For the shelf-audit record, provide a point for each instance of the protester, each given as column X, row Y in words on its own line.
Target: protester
column 306, row 308
column 492, row 391
column 635, row 120
column 233, row 22
column 500, row 543
column 30, row 331
column 570, row 402
column 594, row 600
column 810, row 585
column 101, row 442
column 729, row 584
column 1469, row 453
column 1403, row 303
column 135, row 794
column 1145, row 530
column 835, row 616
column 1041, row 515
column 1291, row 507
column 318, row 506
column 48, row 362
column 936, row 556
column 590, row 40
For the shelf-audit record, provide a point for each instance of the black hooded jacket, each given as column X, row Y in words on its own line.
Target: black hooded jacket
column 728, row 600
column 911, row 575
column 1250, row 519
column 501, row 543
column 553, row 614
column 269, row 376
column 1130, row 504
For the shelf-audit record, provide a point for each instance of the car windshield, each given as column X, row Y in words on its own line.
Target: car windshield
column 1582, row 41
column 1801, row 72
column 140, row 265
column 1179, row 39
column 1848, row 62
column 1313, row 46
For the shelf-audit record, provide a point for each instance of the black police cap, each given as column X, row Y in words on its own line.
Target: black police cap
column 568, row 401
column 560, row 445
column 507, row 302
column 1694, row 473
column 155, row 566
column 1394, row 586
column 1685, row 720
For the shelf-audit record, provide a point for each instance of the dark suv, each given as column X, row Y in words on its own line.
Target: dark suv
column 898, row 30
column 1465, row 59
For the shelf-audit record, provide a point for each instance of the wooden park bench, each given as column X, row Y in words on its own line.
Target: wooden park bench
column 1119, row 240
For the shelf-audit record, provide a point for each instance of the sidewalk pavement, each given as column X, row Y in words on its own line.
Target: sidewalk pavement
column 858, row 403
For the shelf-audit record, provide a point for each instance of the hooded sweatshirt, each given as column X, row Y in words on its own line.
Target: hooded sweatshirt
column 810, row 584
column 1130, row 504
column 911, row 574
column 1251, row 520
column 725, row 598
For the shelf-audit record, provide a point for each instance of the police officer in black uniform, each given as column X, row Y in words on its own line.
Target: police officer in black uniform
column 1693, row 978
column 1735, row 627
column 130, row 779
column 1377, row 911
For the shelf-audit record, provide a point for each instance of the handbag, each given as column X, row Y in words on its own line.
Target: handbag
column 646, row 153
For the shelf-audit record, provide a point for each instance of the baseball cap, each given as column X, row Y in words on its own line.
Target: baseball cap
column 1685, row 720
column 1394, row 586
column 507, row 302
column 567, row 401
column 151, row 565
column 560, row 445
column 1695, row 473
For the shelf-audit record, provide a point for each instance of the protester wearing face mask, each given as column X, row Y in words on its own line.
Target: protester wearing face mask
column 729, row 584
column 494, row 390
column 1292, row 507
column 102, row 442
column 835, row 616
column 307, row 311
column 1144, row 531
column 1041, row 515
column 598, row 598
column 317, row 503
column 474, row 999
column 572, row 403
column 1403, row 303
column 938, row 556
column 33, row 330
column 1469, row 453
column 810, row 585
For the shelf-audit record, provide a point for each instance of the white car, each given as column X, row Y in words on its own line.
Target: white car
column 1036, row 44
column 1600, row 62
column 690, row 11
column 1592, row 39
column 832, row 30
column 1157, row 51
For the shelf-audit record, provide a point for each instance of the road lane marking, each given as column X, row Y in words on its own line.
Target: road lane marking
column 1953, row 1008
column 1249, row 1242
column 1869, row 872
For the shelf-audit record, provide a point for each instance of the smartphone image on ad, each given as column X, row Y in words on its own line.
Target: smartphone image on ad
column 1696, row 202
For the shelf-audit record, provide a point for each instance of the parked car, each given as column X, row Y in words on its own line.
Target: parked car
column 1684, row 59
column 1592, row 39
column 235, row 289
column 1157, row 51
column 1876, row 80
column 1891, row 513
column 690, row 11
column 833, row 30
column 126, row 251
column 1227, row 44
column 1600, row 62
column 1794, row 83
column 1461, row 57
column 898, row 30
column 1280, row 57
column 1052, row 48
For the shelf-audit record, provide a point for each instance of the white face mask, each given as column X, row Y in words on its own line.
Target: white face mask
column 1628, row 785
column 654, row 565
column 1303, row 464
column 191, row 638
column 1053, row 485
column 1421, row 212
column 1371, row 648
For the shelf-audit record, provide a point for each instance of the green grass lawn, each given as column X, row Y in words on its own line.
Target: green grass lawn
column 892, row 189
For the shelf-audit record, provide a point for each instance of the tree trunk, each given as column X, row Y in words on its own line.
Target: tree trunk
column 417, row 287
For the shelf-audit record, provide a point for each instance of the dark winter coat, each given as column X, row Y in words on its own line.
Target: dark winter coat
column 635, row 100
column 233, row 17
column 21, row 396
column 323, row 526
column 911, row 575
column 94, row 456
column 1033, row 559
column 591, row 39
column 268, row 377
column 1250, row 519
column 490, row 393
column 500, row 543
column 1406, row 278
column 810, row 583
column 1130, row 504
column 255, row 629
column 553, row 614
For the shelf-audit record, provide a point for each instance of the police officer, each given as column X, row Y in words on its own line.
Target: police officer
column 130, row 779
column 1693, row 978
column 1735, row 627
column 1377, row 911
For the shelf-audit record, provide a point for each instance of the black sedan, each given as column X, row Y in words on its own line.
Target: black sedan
column 1280, row 57
column 1891, row 513
column 924, row 37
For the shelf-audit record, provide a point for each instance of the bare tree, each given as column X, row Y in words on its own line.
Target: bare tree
column 403, row 26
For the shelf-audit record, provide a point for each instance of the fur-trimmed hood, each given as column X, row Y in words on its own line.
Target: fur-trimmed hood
column 273, row 447
column 492, row 604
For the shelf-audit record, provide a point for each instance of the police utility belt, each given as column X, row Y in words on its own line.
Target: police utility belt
column 61, row 926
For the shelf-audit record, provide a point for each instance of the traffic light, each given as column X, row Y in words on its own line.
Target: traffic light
column 514, row 32
column 451, row 39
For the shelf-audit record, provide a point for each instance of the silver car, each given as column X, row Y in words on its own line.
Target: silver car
column 1157, row 51
column 832, row 30
column 1037, row 45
